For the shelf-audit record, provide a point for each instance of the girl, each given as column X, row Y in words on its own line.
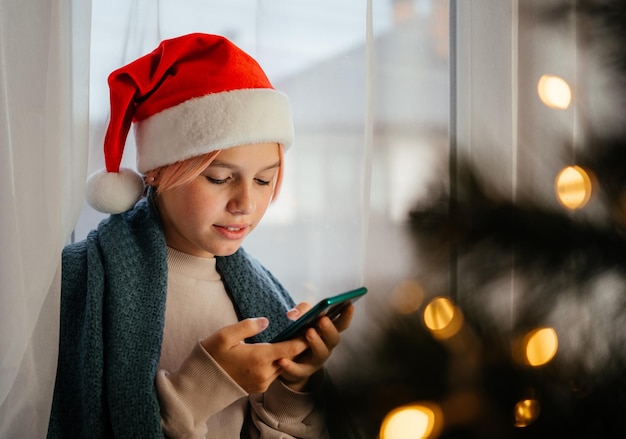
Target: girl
column 164, row 317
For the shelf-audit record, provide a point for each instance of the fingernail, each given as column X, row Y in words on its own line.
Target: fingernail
column 262, row 322
column 293, row 313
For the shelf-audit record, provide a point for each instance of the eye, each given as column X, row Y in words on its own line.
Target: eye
column 217, row 180
column 262, row 182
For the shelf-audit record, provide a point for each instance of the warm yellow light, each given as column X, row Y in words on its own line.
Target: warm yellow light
column 442, row 317
column 407, row 297
column 573, row 187
column 526, row 411
column 541, row 346
column 416, row 421
column 554, row 92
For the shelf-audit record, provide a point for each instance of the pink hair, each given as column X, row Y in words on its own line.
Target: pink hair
column 181, row 173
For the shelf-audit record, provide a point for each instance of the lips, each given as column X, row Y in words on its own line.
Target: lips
column 232, row 231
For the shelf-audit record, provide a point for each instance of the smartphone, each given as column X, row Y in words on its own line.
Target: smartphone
column 332, row 307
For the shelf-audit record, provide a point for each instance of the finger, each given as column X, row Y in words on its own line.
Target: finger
column 232, row 335
column 290, row 348
column 294, row 370
column 246, row 328
column 296, row 375
column 343, row 321
column 327, row 332
column 323, row 340
column 313, row 359
column 298, row 311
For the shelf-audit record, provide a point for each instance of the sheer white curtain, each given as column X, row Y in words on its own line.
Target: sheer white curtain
column 44, row 52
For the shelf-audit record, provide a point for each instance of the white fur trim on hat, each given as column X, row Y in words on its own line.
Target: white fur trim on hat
column 211, row 122
column 114, row 192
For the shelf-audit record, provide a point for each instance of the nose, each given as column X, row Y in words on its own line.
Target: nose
column 242, row 200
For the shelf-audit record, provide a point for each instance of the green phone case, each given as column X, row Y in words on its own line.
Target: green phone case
column 331, row 307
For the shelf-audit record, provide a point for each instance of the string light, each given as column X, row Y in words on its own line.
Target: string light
column 526, row 412
column 540, row 346
column 554, row 92
column 414, row 421
column 573, row 187
column 443, row 318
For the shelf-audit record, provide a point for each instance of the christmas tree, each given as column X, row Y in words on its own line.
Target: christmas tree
column 466, row 366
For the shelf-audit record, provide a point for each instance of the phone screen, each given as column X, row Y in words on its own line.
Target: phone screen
column 332, row 307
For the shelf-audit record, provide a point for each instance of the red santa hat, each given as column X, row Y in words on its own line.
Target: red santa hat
column 192, row 95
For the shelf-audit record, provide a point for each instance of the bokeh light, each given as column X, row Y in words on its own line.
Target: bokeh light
column 407, row 297
column 540, row 346
column 554, row 92
column 573, row 187
column 443, row 318
column 415, row 421
column 526, row 412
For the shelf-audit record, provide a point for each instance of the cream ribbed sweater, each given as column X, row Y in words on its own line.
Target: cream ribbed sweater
column 197, row 398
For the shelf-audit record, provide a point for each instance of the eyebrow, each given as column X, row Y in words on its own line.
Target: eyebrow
column 220, row 164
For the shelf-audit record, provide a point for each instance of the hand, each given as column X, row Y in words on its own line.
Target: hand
column 321, row 339
column 253, row 366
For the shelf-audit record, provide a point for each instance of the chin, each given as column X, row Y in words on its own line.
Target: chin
column 226, row 251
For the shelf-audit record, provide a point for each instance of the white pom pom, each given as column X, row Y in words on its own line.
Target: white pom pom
column 114, row 192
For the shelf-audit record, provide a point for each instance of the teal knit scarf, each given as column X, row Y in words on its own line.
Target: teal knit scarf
column 114, row 285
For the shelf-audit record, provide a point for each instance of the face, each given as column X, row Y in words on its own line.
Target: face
column 213, row 214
